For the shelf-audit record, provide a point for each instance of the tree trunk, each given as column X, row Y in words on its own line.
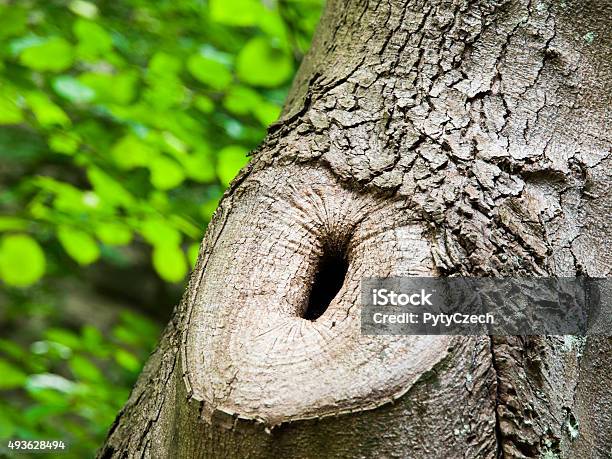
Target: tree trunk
column 428, row 138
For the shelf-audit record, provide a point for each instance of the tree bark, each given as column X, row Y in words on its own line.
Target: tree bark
column 428, row 138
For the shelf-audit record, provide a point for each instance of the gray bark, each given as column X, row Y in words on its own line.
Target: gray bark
column 420, row 138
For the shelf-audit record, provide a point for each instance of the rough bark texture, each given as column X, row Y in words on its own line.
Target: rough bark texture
column 420, row 138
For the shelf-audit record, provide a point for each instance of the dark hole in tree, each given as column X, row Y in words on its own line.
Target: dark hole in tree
column 328, row 280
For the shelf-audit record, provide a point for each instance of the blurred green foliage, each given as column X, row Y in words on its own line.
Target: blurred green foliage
column 70, row 384
column 128, row 119
column 121, row 123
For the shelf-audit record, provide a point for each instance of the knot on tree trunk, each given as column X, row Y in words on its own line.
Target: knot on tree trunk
column 274, row 328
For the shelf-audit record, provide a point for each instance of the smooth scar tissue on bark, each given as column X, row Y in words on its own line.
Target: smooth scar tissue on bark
column 427, row 138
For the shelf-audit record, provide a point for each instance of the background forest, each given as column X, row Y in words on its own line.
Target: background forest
column 121, row 123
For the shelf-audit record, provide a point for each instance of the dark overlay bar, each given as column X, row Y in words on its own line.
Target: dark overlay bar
column 486, row 306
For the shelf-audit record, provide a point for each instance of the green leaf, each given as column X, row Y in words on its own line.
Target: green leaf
column 165, row 173
column 22, row 261
column 186, row 226
column 13, row 20
column 47, row 409
column 68, row 198
column 164, row 93
column 54, row 54
column 241, row 100
column 82, row 8
column 83, row 369
column 127, row 335
column 78, row 244
column 127, row 360
column 93, row 39
column 231, row 159
column 50, row 349
column 77, row 203
column 199, row 166
column 235, row 12
column 64, row 142
column 130, row 152
column 92, row 338
column 272, row 23
column 157, row 232
column 174, row 145
column 72, row 89
column 12, row 223
column 109, row 189
column 169, row 262
column 10, row 112
column 64, row 337
column 164, row 65
column 45, row 111
column 117, row 88
column 11, row 349
column 141, row 325
column 209, row 71
column 208, row 209
column 113, row 233
column 12, row 377
column 192, row 253
column 261, row 64
column 204, row 104
column 267, row 113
